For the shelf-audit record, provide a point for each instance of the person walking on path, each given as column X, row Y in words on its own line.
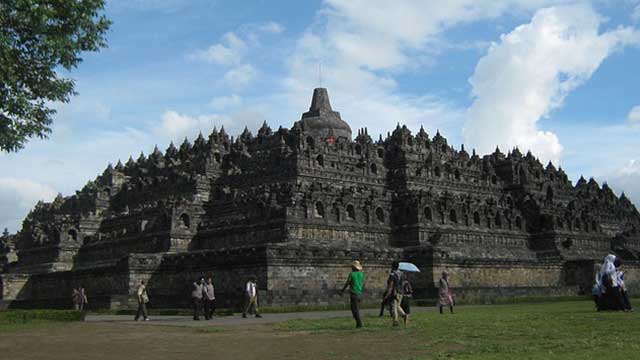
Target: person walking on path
column 143, row 299
column 394, row 292
column 251, row 294
column 209, row 298
column 196, row 298
column 79, row 297
column 407, row 294
column 355, row 282
column 444, row 293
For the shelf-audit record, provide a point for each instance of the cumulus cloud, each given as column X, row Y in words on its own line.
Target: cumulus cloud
column 240, row 76
column 634, row 115
column 17, row 197
column 530, row 71
column 271, row 27
column 627, row 180
column 229, row 51
column 364, row 45
column 176, row 126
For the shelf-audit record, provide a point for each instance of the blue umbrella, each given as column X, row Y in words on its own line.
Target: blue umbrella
column 408, row 267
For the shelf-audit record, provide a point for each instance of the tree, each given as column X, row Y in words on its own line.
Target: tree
column 38, row 38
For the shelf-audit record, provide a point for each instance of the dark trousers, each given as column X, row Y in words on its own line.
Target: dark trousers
column 406, row 304
column 355, row 309
column 625, row 299
column 209, row 308
column 617, row 301
column 197, row 308
column 142, row 311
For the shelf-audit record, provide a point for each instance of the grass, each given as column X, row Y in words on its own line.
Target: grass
column 559, row 330
column 11, row 320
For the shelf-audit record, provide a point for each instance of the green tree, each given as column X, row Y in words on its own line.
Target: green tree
column 38, row 38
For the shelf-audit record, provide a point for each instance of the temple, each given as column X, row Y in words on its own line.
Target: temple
column 294, row 207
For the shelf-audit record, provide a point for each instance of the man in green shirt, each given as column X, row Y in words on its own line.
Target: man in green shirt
column 354, row 283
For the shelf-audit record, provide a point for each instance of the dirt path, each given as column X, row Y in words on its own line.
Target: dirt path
column 98, row 341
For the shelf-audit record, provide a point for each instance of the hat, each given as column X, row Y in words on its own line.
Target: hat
column 356, row 264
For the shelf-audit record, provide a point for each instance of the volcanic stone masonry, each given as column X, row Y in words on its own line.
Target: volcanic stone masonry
column 294, row 207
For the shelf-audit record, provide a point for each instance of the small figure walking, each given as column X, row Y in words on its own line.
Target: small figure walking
column 394, row 292
column 196, row 298
column 79, row 298
column 444, row 293
column 251, row 294
column 407, row 294
column 355, row 282
column 143, row 299
column 209, row 299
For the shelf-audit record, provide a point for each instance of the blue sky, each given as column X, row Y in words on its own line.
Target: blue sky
column 557, row 77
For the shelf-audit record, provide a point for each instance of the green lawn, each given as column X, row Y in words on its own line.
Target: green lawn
column 11, row 320
column 563, row 330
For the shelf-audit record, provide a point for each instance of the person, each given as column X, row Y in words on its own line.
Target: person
column 143, row 299
column 79, row 297
column 407, row 294
column 251, row 295
column 444, row 293
column 394, row 292
column 209, row 297
column 355, row 283
column 196, row 298
column 385, row 303
column 596, row 290
column 618, row 281
column 623, row 290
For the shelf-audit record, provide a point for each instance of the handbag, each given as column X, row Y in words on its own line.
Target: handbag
column 145, row 297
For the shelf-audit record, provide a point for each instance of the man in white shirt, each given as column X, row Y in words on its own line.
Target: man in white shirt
column 251, row 293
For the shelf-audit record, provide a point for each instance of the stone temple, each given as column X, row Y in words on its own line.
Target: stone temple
column 295, row 206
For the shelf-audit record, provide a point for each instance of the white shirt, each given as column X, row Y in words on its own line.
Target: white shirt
column 251, row 289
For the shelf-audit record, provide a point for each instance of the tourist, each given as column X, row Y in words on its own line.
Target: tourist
column 196, row 298
column 355, row 283
column 143, row 299
column 612, row 296
column 394, row 292
column 622, row 300
column 209, row 298
column 407, row 294
column 79, row 298
column 385, row 303
column 444, row 293
column 623, row 289
column 251, row 295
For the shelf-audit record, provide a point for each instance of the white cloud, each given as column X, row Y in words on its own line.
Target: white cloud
column 271, row 27
column 634, row 115
column 240, row 76
column 225, row 102
column 175, row 126
column 529, row 73
column 17, row 197
column 363, row 45
column 229, row 51
column 635, row 15
column 627, row 180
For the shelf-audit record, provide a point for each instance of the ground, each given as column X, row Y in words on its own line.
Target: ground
column 566, row 330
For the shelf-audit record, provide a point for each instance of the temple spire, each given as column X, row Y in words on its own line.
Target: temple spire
column 320, row 101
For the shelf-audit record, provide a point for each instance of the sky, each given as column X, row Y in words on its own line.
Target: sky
column 559, row 78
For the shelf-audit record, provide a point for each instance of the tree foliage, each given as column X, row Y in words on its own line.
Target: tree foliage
column 38, row 39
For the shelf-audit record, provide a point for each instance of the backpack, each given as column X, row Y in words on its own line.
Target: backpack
column 396, row 277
